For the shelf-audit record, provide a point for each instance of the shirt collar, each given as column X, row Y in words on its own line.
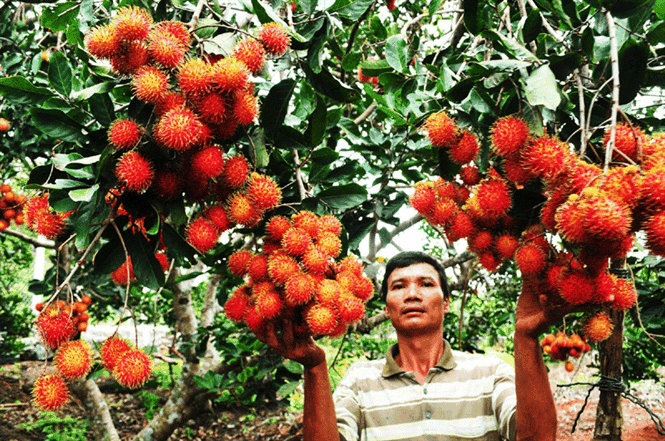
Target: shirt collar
column 446, row 362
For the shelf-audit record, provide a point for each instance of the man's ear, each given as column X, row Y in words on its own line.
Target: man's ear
column 385, row 309
column 446, row 305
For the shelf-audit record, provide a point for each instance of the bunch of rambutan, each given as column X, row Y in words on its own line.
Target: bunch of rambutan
column 131, row 367
column 297, row 276
column 40, row 217
column 11, row 207
column 561, row 346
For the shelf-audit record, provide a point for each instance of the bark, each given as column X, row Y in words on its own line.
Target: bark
column 609, row 415
column 94, row 402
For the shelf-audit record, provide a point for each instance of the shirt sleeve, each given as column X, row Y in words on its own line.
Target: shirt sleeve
column 504, row 400
column 347, row 407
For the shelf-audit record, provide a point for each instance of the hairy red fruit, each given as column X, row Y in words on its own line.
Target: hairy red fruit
column 307, row 221
column 531, row 260
column 489, row 261
column 165, row 48
column 570, row 220
column 331, row 224
column 149, row 84
column 133, row 369
column 237, row 304
column 622, row 184
column 470, row 175
column 652, row 188
column 494, row 198
column 598, row 328
column 244, row 108
column 505, row 246
column 275, row 38
column 546, row 157
column 269, row 305
column 480, row 241
column 73, row 359
column 315, row 260
column 226, row 129
column 516, row 173
column 217, row 215
column 208, row 162
column 167, row 184
column 548, row 211
column 176, row 29
column 351, row 265
column 606, row 219
column 230, row 74
column 264, row 192
column 102, row 41
column 170, row 101
column 50, row 392
column 604, row 287
column 212, row 107
column 241, row 210
column 350, row 309
column 163, row 260
column 251, row 53
column 423, row 198
column 321, row 319
column 202, row 234
column 239, row 262
column 124, row 134
column 460, row 226
column 132, row 23
column 443, row 212
column 509, row 136
column 54, row 326
column 299, row 289
column 465, row 148
column 270, row 246
column 328, row 292
column 124, row 273
column 625, row 295
column 296, row 241
column 655, row 229
column 363, row 288
column 329, row 244
column 576, row 287
column 178, row 129
column 195, row 77
column 129, row 60
column 281, row 268
column 258, row 268
column 236, row 171
column 134, row 171
column 441, row 129
column 254, row 321
column 626, row 142
column 48, row 224
column 277, row 226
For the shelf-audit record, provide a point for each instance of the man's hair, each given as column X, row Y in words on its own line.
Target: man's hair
column 408, row 258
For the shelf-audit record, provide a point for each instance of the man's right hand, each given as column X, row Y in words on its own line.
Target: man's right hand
column 288, row 344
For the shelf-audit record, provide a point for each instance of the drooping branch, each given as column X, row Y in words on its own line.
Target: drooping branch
column 614, row 60
column 36, row 241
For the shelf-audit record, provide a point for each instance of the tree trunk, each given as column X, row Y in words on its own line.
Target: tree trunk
column 98, row 410
column 609, row 415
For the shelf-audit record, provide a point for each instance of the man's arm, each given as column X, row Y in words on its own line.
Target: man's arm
column 319, row 419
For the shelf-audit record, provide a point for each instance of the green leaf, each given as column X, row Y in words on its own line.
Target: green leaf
column 504, row 65
column 343, row 196
column 396, row 52
column 57, row 103
column 59, row 17
column 434, row 7
column 373, row 68
column 308, row 6
column 325, row 83
column 656, row 33
column 510, row 46
column 316, row 127
column 57, row 125
column 180, row 248
column 633, row 59
column 84, row 194
column 18, row 90
column 109, row 257
column 147, row 269
column 541, row 88
column 221, row 44
column 257, row 151
column 275, row 107
column 353, row 10
column 378, row 29
column 659, row 9
column 287, row 389
column 351, row 61
column 82, row 221
column 472, row 16
column 86, row 93
column 206, row 27
column 532, row 26
column 101, row 108
column 293, row 367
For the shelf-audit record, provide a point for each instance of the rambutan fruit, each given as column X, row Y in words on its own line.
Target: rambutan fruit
column 48, row 224
column 443, row 212
column 264, row 192
column 548, row 211
column 217, row 215
column 170, row 101
column 260, row 288
column 270, row 246
column 102, row 41
column 195, row 77
column 178, row 129
column 124, row 273
column 269, row 305
column 165, row 48
column 253, row 319
column 329, row 244
column 135, row 171
column 50, row 392
column 296, row 241
column 655, row 229
column 307, row 221
column 277, row 226
column 238, row 262
column 244, row 108
column 516, row 173
column 509, row 136
column 606, row 219
column 470, row 175
column 465, row 148
column 321, row 319
column 570, row 220
column 530, row 259
column 652, row 188
column 423, row 198
column 546, row 157
column 54, row 326
column 489, row 261
column 363, row 288
column 212, row 107
column 460, row 226
column 351, row 265
column 226, row 129
column 462, row 194
column 553, row 277
column 441, row 129
column 236, row 171
column 33, row 207
column 275, row 38
column 604, row 284
column 230, row 74
column 331, row 224
column 176, row 29
column 202, row 234
column 258, row 268
column 251, row 53
column 315, row 260
column 129, row 60
column 299, row 289
column 208, row 162
column 124, row 134
column 626, row 142
column 163, row 260
column 241, row 210
column 133, row 369
column 480, row 241
column 622, row 184
column 598, row 328
column 350, row 309
column 625, row 295
column 328, row 292
column 167, row 184
column 73, row 359
column 281, row 268
column 346, row 280
column 505, row 246
column 576, row 287
column 132, row 23
column 236, row 305
column 149, row 84
column 494, row 198
column 444, row 189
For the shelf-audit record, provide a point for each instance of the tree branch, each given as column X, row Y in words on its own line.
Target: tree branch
column 459, row 259
column 36, row 241
column 366, row 114
column 397, row 230
column 299, row 180
column 614, row 59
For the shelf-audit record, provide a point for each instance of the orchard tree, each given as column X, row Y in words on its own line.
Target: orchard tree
column 164, row 140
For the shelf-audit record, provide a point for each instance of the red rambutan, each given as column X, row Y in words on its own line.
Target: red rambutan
column 530, row 259
column 48, row 224
column 494, row 198
column 363, row 288
column 350, row 309
column 516, row 173
column 652, row 188
column 480, row 241
column 195, row 77
column 258, row 268
column 570, row 219
column 315, row 260
column 509, row 135
column 299, row 289
column 254, row 321
column 124, row 273
column 625, row 295
column 351, row 265
column 281, row 268
column 208, row 162
column 176, row 29
column 165, row 48
column 230, row 74
column 132, row 23
column 54, row 326
column 576, row 287
column 460, row 226
column 441, row 129
column 133, row 369
column 50, row 392
column 598, row 328
column 131, row 57
column 321, row 319
column 124, row 134
column 331, row 224
column 329, row 244
column 134, row 171
column 149, row 84
column 217, row 215
column 212, row 107
column 178, row 129
column 202, row 234
column 328, row 292
column 264, row 192
column 277, row 226
column 470, row 175
column 170, row 101
column 505, row 246
column 465, row 148
column 239, row 262
column 443, row 212
column 604, row 284
column 269, row 305
column 296, row 241
column 275, row 38
column 606, row 219
column 489, row 261
column 423, row 198
column 626, row 141
column 244, row 108
column 251, row 53
column 236, row 305
column 307, row 221
column 102, row 41
column 167, row 184
column 241, row 210
column 73, row 359
column 655, row 229
column 546, row 157
column 236, row 171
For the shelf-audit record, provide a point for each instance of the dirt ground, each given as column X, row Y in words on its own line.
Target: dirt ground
column 275, row 423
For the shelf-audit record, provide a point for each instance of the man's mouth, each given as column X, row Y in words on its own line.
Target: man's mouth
column 414, row 308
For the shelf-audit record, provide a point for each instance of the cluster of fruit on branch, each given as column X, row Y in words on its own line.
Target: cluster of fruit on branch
column 296, row 277
column 560, row 346
column 11, row 207
column 76, row 312
column 594, row 211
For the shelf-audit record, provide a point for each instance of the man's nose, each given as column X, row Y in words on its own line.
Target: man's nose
column 413, row 292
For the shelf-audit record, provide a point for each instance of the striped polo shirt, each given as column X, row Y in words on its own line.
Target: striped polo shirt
column 464, row 397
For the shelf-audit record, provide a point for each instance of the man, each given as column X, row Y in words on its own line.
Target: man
column 421, row 390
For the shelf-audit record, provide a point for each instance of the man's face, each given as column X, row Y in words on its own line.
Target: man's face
column 415, row 303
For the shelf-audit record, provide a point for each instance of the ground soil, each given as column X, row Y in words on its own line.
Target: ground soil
column 275, row 423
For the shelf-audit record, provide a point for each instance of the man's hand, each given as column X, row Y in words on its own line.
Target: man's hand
column 288, row 344
column 536, row 312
